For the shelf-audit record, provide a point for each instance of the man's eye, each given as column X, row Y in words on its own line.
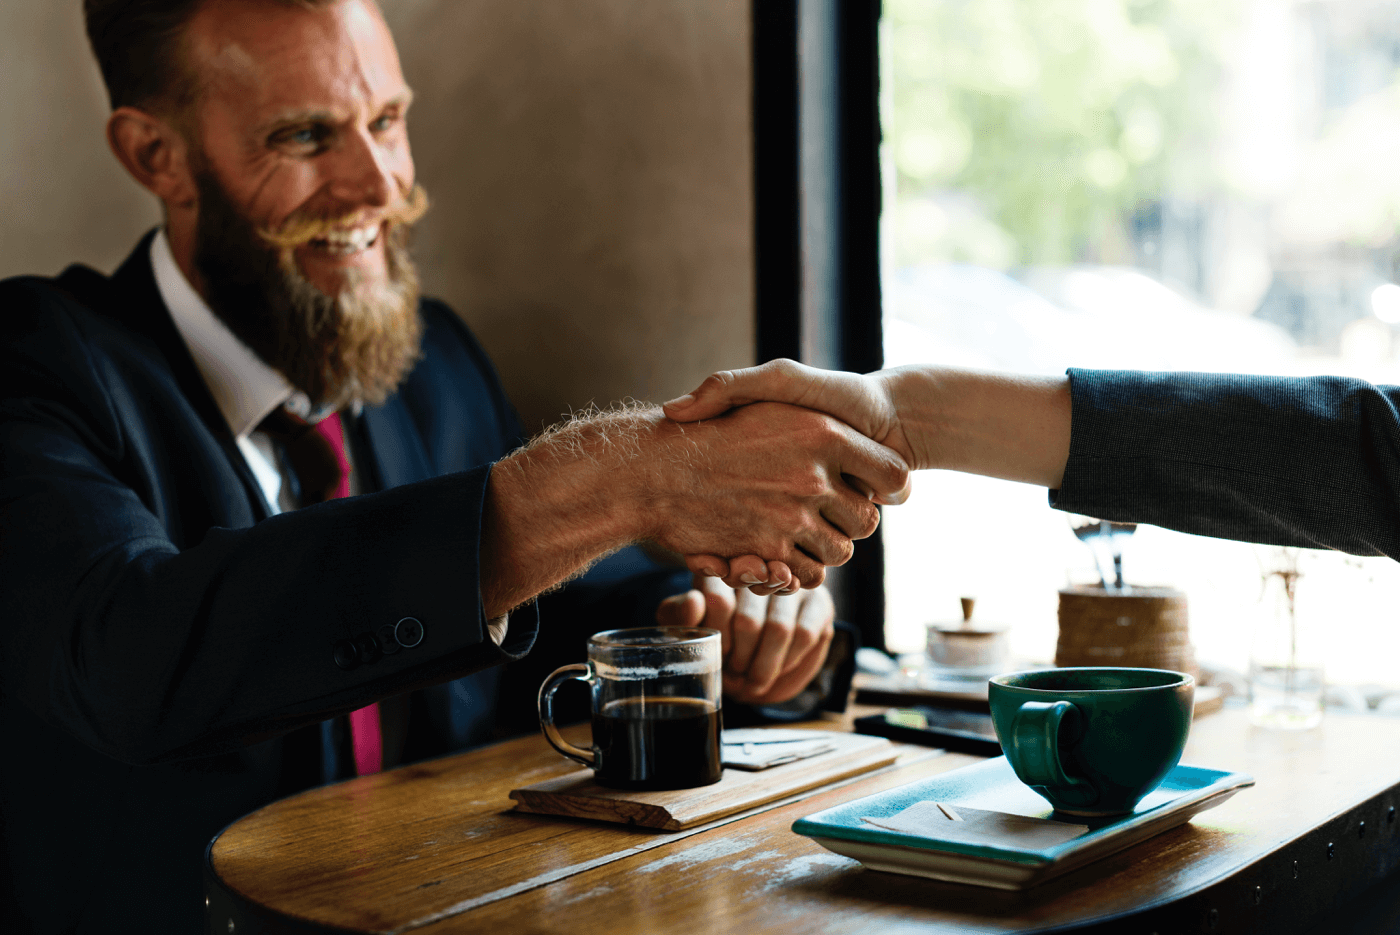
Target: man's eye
column 382, row 124
column 300, row 138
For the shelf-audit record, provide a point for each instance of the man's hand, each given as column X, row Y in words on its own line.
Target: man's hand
column 773, row 646
column 769, row 480
column 764, row 480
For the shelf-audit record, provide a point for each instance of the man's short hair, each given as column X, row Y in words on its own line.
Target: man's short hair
column 138, row 49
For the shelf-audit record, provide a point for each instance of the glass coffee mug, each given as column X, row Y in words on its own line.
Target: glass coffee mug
column 656, row 707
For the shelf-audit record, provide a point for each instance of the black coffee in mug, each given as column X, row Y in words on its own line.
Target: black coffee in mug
column 656, row 695
column 649, row 743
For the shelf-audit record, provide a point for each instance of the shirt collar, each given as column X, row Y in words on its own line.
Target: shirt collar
column 245, row 388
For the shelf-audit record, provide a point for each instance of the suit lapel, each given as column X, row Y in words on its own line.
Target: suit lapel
column 134, row 300
column 395, row 447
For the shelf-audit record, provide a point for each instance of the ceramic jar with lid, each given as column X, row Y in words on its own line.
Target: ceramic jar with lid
column 964, row 649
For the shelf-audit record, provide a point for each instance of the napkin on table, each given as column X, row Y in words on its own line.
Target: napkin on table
column 975, row 826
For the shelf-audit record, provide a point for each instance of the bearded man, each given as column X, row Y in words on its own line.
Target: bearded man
column 260, row 521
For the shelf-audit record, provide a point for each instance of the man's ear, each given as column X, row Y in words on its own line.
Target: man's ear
column 155, row 153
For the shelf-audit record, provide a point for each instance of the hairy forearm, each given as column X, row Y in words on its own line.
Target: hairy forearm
column 761, row 480
column 562, row 502
column 999, row 425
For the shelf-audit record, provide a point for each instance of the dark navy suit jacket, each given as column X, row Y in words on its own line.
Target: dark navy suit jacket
column 1300, row 461
column 167, row 658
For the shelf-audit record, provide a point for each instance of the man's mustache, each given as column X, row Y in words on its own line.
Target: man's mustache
column 301, row 228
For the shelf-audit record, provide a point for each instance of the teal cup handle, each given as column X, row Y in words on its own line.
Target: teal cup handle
column 1036, row 738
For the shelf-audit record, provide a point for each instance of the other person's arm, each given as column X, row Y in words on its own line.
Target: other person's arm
column 1311, row 461
column 980, row 422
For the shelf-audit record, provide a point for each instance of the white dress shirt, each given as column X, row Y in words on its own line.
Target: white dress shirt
column 245, row 388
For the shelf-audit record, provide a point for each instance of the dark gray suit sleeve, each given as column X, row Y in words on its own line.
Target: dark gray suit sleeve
column 1312, row 462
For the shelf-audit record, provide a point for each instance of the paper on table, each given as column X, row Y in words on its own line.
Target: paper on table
column 975, row 826
column 768, row 735
column 756, row 756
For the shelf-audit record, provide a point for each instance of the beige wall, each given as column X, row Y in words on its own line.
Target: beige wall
column 588, row 162
column 62, row 195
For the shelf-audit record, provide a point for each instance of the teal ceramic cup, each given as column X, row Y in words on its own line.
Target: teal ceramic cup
column 1092, row 741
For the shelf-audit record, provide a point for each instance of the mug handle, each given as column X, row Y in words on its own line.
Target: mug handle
column 1035, row 737
column 556, row 678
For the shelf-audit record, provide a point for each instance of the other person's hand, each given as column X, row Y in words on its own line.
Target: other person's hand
column 865, row 402
column 773, row 646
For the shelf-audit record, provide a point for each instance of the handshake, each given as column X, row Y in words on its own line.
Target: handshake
column 832, row 448
column 760, row 478
column 857, row 441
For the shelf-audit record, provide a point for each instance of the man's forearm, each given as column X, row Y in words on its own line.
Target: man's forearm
column 559, row 504
column 763, row 480
column 999, row 425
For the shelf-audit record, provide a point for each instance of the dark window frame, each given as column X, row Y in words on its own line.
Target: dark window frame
column 816, row 153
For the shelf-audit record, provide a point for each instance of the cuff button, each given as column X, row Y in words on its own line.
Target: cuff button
column 345, row 655
column 388, row 643
column 368, row 648
column 409, row 632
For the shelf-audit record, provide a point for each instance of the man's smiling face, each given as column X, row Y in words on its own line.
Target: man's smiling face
column 301, row 120
column 291, row 205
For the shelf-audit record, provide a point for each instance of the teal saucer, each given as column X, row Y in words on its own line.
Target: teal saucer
column 1003, row 864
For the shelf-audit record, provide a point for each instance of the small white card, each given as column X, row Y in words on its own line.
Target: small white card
column 755, row 756
column 947, row 821
column 768, row 735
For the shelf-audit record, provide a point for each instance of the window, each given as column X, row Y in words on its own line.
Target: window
column 1155, row 184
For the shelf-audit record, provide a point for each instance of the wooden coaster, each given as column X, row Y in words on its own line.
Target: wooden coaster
column 576, row 795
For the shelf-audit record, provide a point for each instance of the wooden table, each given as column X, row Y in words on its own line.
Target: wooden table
column 435, row 848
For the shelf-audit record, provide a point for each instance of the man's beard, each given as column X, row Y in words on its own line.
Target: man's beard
column 358, row 345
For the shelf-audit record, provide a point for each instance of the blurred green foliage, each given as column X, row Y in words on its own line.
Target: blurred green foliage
column 1029, row 131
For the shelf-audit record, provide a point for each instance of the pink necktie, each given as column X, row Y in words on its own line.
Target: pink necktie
column 365, row 737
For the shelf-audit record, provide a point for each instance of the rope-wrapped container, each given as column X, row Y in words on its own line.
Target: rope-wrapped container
column 1137, row 627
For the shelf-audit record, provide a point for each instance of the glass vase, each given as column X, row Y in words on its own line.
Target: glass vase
column 1285, row 671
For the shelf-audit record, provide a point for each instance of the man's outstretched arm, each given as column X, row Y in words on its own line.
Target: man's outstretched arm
column 763, row 480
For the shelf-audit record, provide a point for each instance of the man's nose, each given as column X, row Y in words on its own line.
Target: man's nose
column 363, row 174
